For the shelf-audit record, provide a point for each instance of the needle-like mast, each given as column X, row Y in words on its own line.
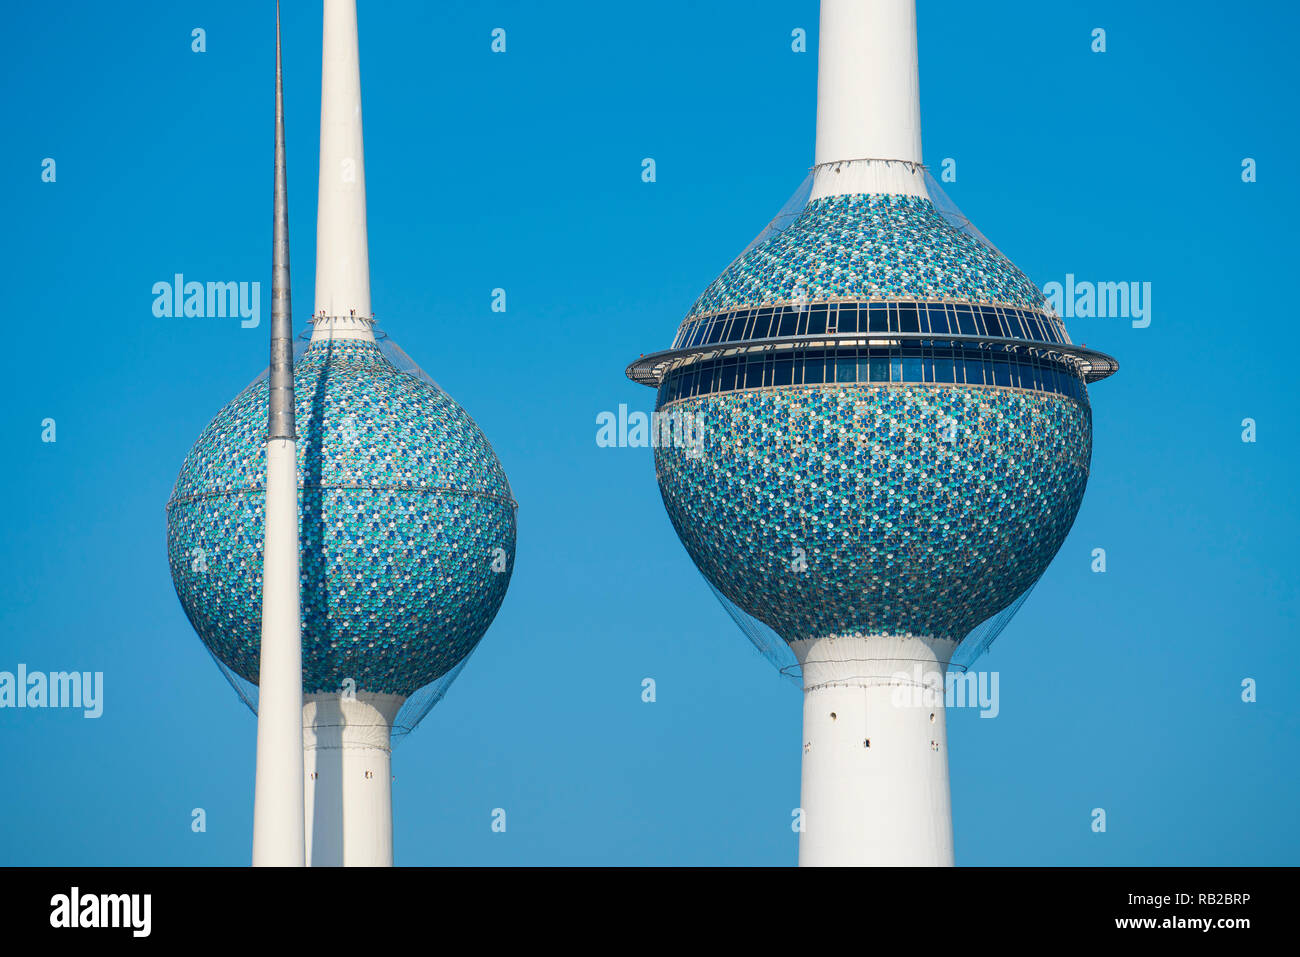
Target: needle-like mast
column 278, row 831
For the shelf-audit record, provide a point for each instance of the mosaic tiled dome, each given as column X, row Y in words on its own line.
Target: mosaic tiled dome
column 892, row 434
column 864, row 247
column 900, row 532
column 406, row 517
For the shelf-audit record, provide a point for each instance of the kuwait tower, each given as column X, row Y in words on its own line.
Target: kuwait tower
column 404, row 538
column 896, row 441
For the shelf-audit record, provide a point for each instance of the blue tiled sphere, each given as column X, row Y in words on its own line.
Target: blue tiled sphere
column 904, row 508
column 842, row 510
column 406, row 519
column 868, row 247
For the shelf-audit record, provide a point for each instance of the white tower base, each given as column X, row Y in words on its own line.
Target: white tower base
column 875, row 752
column 277, row 815
column 349, row 780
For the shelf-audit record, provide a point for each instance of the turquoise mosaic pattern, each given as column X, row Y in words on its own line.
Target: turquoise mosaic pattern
column 866, row 247
column 403, row 510
column 902, row 533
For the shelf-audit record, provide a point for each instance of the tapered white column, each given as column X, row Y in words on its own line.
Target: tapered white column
column 278, row 836
column 278, row 826
column 875, row 753
column 349, row 785
column 868, row 99
column 342, row 247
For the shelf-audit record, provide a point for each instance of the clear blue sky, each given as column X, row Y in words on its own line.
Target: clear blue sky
column 1119, row 690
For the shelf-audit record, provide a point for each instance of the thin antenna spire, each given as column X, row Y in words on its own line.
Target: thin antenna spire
column 280, row 423
column 279, row 835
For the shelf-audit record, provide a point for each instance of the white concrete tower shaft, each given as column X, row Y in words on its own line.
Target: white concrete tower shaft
column 348, row 791
column 875, row 747
column 278, row 829
column 342, row 246
column 868, row 100
column 874, row 789
column 349, row 794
